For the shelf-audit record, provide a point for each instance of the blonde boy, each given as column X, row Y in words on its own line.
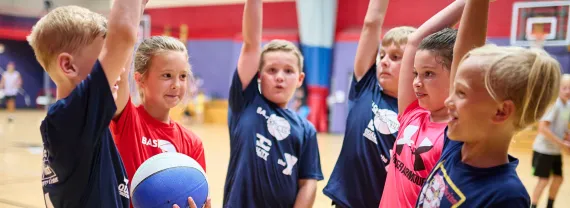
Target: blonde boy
column 372, row 127
column 82, row 167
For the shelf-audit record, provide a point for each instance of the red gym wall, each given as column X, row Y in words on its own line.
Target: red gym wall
column 225, row 21
column 213, row 35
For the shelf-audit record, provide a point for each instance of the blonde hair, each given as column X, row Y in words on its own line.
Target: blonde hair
column 528, row 77
column 397, row 36
column 281, row 45
column 65, row 29
column 156, row 45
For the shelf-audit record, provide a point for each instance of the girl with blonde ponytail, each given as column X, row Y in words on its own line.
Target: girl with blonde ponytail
column 162, row 73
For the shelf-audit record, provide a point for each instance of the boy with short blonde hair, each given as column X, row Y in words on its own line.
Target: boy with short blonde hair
column 371, row 128
column 50, row 37
column 84, row 58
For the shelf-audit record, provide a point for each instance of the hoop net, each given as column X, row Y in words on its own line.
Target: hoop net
column 540, row 38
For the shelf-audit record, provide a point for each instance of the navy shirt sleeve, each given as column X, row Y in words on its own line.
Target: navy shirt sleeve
column 368, row 81
column 84, row 114
column 239, row 99
column 310, row 161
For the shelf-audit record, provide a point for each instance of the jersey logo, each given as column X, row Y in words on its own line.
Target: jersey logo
column 48, row 175
column 440, row 188
column 277, row 126
column 124, row 189
column 424, row 147
column 385, row 121
column 289, row 162
column 262, row 146
column 433, row 193
column 406, row 140
column 163, row 145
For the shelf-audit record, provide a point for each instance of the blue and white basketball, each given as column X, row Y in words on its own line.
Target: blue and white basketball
column 167, row 179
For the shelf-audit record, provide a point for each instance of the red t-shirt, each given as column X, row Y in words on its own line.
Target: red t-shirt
column 416, row 152
column 139, row 136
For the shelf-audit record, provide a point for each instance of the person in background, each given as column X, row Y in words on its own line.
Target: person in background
column 547, row 157
column 11, row 82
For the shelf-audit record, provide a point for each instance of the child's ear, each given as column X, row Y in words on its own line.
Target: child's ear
column 301, row 78
column 139, row 78
column 65, row 64
column 504, row 112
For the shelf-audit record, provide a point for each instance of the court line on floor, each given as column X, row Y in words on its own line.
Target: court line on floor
column 15, row 203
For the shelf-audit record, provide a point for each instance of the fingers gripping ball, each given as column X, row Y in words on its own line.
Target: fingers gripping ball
column 167, row 179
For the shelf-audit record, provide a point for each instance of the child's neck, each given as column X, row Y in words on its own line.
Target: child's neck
column 440, row 116
column 488, row 153
column 63, row 90
column 158, row 114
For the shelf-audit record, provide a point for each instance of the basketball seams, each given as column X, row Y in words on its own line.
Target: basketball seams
column 160, row 163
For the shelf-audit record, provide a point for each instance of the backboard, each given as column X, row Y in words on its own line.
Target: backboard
column 549, row 19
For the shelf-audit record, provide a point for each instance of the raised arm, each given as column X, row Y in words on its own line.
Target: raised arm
column 445, row 18
column 123, row 93
column 249, row 57
column 370, row 37
column 121, row 37
column 472, row 32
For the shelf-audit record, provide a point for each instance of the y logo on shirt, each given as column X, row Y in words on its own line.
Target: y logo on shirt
column 385, row 122
column 289, row 162
column 406, row 140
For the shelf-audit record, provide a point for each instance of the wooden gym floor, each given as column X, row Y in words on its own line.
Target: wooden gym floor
column 20, row 161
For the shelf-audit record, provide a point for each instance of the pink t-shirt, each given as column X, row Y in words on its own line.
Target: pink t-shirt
column 416, row 152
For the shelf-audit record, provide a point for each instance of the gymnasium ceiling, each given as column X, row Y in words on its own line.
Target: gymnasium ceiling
column 35, row 8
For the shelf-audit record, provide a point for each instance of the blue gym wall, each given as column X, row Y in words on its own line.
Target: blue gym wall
column 215, row 61
column 32, row 73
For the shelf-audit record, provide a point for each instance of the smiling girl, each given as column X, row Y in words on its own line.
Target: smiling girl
column 162, row 73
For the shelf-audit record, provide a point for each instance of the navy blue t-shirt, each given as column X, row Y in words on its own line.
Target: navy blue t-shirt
column 371, row 129
column 81, row 165
column 453, row 183
column 271, row 148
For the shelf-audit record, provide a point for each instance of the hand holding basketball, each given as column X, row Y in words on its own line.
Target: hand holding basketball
column 193, row 205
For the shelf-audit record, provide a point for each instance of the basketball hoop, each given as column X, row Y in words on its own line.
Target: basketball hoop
column 540, row 23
